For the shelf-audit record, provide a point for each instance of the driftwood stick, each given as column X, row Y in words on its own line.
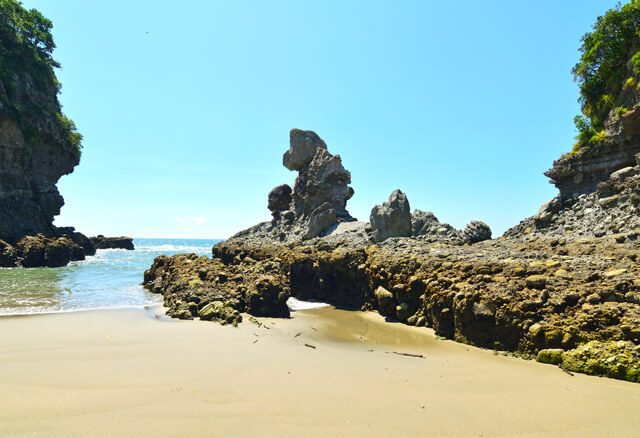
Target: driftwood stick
column 567, row 371
column 399, row 353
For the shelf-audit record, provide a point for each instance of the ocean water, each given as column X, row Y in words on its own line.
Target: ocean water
column 109, row 280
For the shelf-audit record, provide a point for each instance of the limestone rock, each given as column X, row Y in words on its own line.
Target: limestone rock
column 392, row 218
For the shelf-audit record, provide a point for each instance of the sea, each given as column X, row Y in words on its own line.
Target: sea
column 109, row 280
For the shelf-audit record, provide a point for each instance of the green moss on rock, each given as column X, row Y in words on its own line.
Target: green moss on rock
column 616, row 359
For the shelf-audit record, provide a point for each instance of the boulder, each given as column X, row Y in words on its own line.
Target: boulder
column 31, row 250
column 477, row 231
column 392, row 218
column 550, row 355
column 547, row 210
column 58, row 252
column 321, row 218
column 279, row 198
column 386, row 303
column 403, row 312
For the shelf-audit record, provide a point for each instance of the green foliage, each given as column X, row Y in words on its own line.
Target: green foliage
column 70, row 132
column 587, row 135
column 602, row 68
column 621, row 111
column 26, row 45
column 630, row 82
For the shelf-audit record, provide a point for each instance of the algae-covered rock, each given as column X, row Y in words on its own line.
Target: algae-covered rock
column 536, row 281
column 550, row 355
column 386, row 303
column 616, row 359
column 218, row 311
column 403, row 312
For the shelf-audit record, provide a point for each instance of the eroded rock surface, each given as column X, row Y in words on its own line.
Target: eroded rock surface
column 122, row 242
column 392, row 218
column 563, row 286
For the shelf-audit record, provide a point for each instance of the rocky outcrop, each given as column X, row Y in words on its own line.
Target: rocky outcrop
column 199, row 287
column 503, row 294
column 559, row 281
column 122, row 242
column 38, row 145
column 392, row 218
column 29, row 172
column 612, row 209
column 580, row 173
column 426, row 227
column 40, row 250
column 317, row 200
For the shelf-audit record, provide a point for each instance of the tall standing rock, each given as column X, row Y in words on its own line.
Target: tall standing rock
column 320, row 192
column 392, row 218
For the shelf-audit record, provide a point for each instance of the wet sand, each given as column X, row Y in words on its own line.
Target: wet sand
column 133, row 373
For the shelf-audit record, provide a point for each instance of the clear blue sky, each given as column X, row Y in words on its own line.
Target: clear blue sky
column 186, row 107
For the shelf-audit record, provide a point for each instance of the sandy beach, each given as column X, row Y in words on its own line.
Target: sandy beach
column 137, row 373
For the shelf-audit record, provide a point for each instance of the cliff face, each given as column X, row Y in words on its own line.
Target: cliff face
column 29, row 198
column 579, row 173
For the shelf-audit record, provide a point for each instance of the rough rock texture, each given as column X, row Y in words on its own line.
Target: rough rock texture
column 611, row 210
column 39, row 250
column 122, row 242
column 30, row 167
column 279, row 198
column 195, row 286
column 29, row 170
column 563, row 286
column 579, row 173
column 425, row 226
column 392, row 218
column 303, row 146
column 319, row 196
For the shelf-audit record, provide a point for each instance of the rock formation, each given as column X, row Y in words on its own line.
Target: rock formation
column 38, row 145
column 563, row 279
column 392, row 218
column 319, row 196
column 122, row 242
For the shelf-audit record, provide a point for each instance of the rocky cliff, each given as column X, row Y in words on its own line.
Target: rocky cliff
column 38, row 145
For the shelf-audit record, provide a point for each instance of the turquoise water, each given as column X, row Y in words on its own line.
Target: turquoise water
column 109, row 280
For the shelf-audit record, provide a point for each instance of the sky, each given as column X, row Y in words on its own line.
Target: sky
column 186, row 107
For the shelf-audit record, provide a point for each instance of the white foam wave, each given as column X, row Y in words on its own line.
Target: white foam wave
column 168, row 247
column 295, row 304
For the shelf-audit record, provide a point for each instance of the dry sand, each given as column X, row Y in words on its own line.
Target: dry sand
column 133, row 373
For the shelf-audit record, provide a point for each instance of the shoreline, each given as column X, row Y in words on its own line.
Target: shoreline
column 102, row 372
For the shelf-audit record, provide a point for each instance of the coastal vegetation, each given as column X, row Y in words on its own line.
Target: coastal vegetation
column 610, row 62
column 28, row 83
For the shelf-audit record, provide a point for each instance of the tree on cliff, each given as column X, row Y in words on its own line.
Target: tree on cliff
column 609, row 55
column 26, row 45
